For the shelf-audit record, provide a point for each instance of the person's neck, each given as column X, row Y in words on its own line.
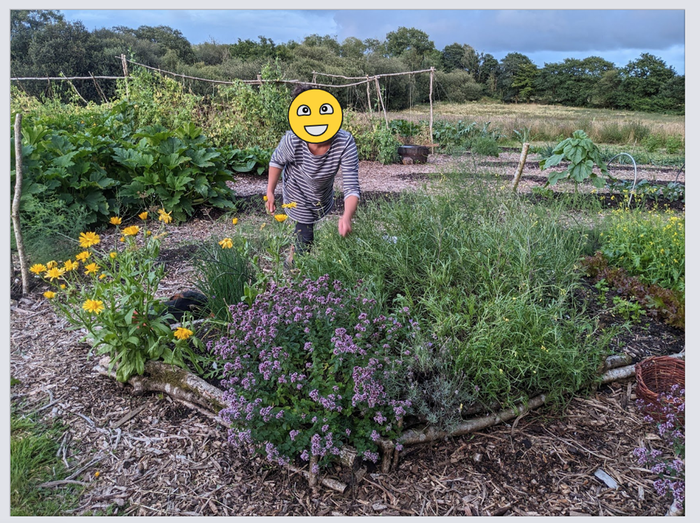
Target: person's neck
column 318, row 149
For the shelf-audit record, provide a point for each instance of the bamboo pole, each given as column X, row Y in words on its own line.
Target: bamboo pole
column 24, row 270
column 369, row 101
column 521, row 165
column 430, row 96
column 381, row 100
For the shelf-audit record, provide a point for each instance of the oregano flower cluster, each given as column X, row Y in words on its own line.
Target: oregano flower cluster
column 311, row 367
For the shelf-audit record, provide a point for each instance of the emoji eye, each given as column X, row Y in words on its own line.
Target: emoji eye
column 326, row 109
column 303, row 110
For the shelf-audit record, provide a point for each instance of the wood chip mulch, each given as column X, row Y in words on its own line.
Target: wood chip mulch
column 150, row 456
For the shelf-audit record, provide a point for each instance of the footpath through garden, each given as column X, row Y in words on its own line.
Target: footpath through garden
column 148, row 455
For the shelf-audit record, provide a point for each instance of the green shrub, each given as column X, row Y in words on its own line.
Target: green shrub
column 486, row 146
column 469, row 262
column 674, row 144
column 648, row 245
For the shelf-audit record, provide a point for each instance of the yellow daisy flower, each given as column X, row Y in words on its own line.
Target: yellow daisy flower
column 234, row 221
column 280, row 217
column 131, row 231
column 92, row 268
column 143, row 215
column 70, row 265
column 95, row 306
column 38, row 268
column 51, row 264
column 88, row 239
column 112, row 254
column 54, row 273
column 115, row 220
column 83, row 256
column 164, row 216
column 264, row 198
column 182, row 333
column 226, row 243
column 49, row 294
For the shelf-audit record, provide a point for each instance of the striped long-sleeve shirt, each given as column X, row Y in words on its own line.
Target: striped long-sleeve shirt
column 308, row 179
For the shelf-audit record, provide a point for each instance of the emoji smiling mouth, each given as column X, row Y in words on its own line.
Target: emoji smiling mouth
column 315, row 130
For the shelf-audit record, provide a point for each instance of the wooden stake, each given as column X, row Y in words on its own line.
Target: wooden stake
column 521, row 165
column 126, row 75
column 369, row 101
column 381, row 100
column 430, row 95
column 15, row 205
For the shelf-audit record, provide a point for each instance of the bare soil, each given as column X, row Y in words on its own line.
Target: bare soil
column 150, row 456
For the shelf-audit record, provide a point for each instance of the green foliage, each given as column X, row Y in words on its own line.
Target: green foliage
column 223, row 275
column 175, row 170
column 309, row 368
column 34, row 460
column 489, row 278
column 659, row 303
column 114, row 300
column 486, row 146
column 405, row 129
column 108, row 166
column 373, row 140
column 48, row 228
column 629, row 310
column 582, row 155
column 648, row 245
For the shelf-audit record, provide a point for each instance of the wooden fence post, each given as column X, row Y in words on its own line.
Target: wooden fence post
column 369, row 101
column 379, row 92
column 126, row 75
column 521, row 165
column 430, row 95
column 15, row 205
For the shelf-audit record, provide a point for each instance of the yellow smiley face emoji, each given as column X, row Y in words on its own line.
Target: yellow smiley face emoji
column 315, row 116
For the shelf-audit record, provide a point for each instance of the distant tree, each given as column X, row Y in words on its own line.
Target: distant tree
column 524, row 82
column 353, row 48
column 606, row 91
column 643, row 82
column 211, row 53
column 328, row 41
column 572, row 82
column 412, row 45
column 247, row 49
column 512, row 65
column 454, row 56
column 24, row 24
column 375, row 46
column 166, row 38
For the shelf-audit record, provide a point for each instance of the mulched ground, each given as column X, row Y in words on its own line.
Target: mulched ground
column 150, row 456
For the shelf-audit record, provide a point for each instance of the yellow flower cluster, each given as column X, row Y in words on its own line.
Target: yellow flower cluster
column 182, row 333
column 290, row 205
column 281, row 217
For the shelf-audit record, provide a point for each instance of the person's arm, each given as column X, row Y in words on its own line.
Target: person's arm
column 345, row 221
column 272, row 179
column 351, row 186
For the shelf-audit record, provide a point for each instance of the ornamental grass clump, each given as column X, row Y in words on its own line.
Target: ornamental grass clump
column 110, row 292
column 309, row 368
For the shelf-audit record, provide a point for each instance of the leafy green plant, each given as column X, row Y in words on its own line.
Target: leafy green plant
column 224, row 270
column 582, row 155
column 603, row 289
column 629, row 310
column 114, row 299
column 405, row 129
column 648, row 245
column 486, row 146
column 308, row 368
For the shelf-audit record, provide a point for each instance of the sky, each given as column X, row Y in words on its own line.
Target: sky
column 544, row 35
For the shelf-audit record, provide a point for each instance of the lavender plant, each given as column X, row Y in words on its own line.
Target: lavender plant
column 670, row 424
column 310, row 368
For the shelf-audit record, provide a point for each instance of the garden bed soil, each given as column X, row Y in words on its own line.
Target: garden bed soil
column 150, row 456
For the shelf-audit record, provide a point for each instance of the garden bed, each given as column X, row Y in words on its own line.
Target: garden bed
column 148, row 455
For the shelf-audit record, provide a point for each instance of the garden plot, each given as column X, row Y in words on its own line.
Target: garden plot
column 478, row 476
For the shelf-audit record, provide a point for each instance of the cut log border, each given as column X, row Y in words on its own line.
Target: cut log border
column 194, row 392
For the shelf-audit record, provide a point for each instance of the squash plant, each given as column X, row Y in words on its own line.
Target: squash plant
column 582, row 154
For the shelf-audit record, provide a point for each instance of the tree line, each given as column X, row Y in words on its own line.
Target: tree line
column 44, row 44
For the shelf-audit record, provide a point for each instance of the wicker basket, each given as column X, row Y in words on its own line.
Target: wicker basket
column 656, row 376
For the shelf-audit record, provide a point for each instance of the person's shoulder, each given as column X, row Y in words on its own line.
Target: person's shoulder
column 346, row 137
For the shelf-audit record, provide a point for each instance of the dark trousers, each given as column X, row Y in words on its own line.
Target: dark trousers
column 304, row 234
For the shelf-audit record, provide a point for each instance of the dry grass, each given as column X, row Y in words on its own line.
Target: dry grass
column 548, row 121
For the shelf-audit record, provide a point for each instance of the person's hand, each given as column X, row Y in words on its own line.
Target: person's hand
column 344, row 226
column 270, row 203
